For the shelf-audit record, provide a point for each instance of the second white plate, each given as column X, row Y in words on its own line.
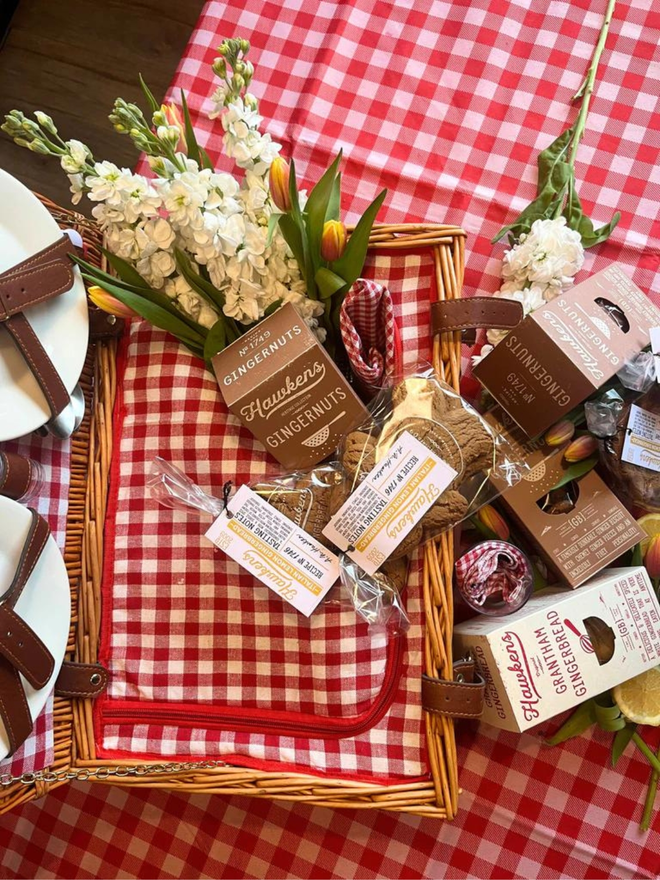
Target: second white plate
column 44, row 604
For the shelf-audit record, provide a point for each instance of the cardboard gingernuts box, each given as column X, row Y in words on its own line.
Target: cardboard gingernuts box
column 564, row 351
column 285, row 388
column 578, row 528
column 563, row 647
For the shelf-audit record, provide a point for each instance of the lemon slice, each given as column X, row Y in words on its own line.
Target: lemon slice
column 639, row 697
column 651, row 525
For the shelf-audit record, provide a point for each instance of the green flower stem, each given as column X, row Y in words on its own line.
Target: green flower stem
column 646, row 751
column 645, row 823
column 587, row 87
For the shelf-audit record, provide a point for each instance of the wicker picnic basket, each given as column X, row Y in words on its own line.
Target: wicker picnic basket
column 75, row 752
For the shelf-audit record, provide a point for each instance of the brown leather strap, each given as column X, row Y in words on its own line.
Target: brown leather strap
column 14, row 709
column 23, row 648
column 37, row 279
column 81, row 680
column 34, row 545
column 104, row 326
column 39, row 363
column 15, row 475
column 462, row 698
column 473, row 312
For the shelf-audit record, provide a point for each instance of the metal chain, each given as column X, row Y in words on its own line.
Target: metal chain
column 85, row 773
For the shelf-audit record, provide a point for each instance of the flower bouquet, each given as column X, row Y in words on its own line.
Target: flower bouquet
column 199, row 252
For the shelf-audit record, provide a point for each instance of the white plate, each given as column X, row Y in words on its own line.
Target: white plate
column 45, row 603
column 60, row 323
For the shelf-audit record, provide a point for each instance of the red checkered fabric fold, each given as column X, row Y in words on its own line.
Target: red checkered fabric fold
column 492, row 568
column 370, row 333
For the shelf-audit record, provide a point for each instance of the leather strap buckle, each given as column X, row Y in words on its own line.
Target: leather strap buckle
column 462, row 697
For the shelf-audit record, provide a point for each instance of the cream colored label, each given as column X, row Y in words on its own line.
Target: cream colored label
column 642, row 442
column 389, row 503
column 271, row 547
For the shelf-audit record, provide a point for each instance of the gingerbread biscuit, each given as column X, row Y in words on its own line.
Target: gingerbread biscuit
column 412, row 540
column 359, row 455
column 475, row 438
column 450, row 508
column 396, row 571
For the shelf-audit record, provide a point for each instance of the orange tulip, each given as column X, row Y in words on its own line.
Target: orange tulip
column 581, row 448
column 652, row 557
column 333, row 240
column 110, row 304
column 560, row 433
column 494, row 522
column 279, row 184
column 173, row 117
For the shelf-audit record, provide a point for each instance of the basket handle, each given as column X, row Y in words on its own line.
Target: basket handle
column 474, row 312
column 462, row 697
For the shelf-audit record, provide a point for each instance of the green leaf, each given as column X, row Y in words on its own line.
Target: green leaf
column 621, row 739
column 637, row 558
column 608, row 715
column 350, row 264
column 293, row 237
column 205, row 159
column 306, row 266
column 582, row 719
column 328, row 282
column 191, row 140
column 543, row 207
column 554, row 174
column 578, row 220
column 575, row 471
column 334, row 204
column 316, row 209
column 273, row 222
column 125, row 271
column 216, row 340
column 550, row 158
column 158, row 316
column 153, row 103
column 273, row 307
column 112, row 285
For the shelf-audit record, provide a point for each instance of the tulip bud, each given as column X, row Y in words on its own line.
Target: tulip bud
column 581, row 448
column 560, row 433
column 110, row 304
column 652, row 557
column 333, row 240
column 174, row 119
column 278, row 181
column 495, row 523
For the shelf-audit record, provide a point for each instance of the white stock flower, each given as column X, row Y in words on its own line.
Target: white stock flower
column 77, row 187
column 539, row 267
column 105, row 184
column 183, row 196
column 75, row 160
column 156, row 268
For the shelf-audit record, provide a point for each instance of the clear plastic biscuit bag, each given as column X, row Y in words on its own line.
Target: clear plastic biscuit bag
column 424, row 462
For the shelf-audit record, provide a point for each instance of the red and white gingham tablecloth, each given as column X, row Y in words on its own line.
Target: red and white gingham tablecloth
column 447, row 104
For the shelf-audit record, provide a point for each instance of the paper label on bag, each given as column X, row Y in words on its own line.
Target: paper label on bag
column 271, row 547
column 642, row 442
column 389, row 503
